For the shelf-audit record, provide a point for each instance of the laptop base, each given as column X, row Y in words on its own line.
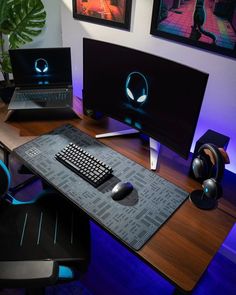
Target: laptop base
column 41, row 114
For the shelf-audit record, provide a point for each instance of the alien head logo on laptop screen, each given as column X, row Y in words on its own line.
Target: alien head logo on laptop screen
column 41, row 65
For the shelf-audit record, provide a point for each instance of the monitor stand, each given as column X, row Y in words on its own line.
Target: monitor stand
column 154, row 145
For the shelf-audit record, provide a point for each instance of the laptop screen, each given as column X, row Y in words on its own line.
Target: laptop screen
column 41, row 66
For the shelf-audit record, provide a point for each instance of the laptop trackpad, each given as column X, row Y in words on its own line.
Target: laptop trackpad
column 37, row 104
column 41, row 104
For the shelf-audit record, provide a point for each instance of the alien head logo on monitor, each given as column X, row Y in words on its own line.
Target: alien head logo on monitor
column 136, row 88
column 41, row 65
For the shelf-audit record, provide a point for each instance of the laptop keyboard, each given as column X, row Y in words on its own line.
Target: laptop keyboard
column 41, row 95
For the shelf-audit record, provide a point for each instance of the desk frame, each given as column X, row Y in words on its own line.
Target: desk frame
column 6, row 154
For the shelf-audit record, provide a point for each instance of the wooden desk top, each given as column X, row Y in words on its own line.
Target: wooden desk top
column 182, row 249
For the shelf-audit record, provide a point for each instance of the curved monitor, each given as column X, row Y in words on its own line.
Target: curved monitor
column 159, row 97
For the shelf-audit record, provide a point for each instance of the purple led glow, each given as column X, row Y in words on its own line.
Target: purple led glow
column 220, row 126
column 130, row 275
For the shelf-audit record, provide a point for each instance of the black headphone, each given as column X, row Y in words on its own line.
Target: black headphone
column 203, row 169
column 200, row 166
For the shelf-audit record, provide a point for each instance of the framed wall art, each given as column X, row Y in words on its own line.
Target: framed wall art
column 208, row 24
column 113, row 13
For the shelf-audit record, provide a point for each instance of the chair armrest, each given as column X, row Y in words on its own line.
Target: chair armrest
column 31, row 273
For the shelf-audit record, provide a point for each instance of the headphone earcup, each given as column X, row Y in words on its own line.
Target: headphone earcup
column 200, row 167
column 212, row 189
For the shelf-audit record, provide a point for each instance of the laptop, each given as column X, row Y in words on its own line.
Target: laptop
column 43, row 79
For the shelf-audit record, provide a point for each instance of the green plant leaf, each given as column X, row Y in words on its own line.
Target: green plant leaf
column 1, row 43
column 4, row 11
column 6, row 63
column 21, row 20
column 27, row 19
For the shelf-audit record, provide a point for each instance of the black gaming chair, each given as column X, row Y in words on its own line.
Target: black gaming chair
column 41, row 241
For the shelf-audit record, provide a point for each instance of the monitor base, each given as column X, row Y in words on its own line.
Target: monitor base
column 154, row 145
column 117, row 133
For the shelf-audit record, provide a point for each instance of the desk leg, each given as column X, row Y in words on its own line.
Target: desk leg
column 5, row 155
column 35, row 291
column 6, row 158
column 23, row 184
column 180, row 292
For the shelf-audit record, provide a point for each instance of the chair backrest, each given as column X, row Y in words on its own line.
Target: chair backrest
column 5, row 179
column 37, row 237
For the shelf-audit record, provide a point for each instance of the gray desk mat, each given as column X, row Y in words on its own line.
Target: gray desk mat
column 134, row 219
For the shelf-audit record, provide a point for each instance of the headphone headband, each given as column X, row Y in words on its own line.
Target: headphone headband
column 219, row 161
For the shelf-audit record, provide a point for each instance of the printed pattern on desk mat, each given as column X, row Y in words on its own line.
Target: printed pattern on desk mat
column 134, row 219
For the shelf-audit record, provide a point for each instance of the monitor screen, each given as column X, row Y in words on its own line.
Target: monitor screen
column 41, row 66
column 159, row 97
